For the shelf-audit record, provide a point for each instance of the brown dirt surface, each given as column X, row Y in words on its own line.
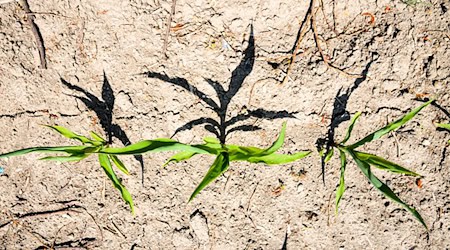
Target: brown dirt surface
column 106, row 63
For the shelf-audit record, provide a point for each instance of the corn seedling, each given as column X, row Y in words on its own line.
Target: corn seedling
column 78, row 153
column 226, row 153
column 108, row 156
column 224, row 125
column 365, row 160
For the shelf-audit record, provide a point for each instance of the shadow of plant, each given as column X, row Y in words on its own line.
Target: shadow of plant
column 340, row 114
column 222, row 127
column 104, row 111
column 364, row 161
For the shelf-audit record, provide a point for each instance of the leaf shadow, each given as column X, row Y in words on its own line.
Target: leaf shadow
column 103, row 108
column 222, row 127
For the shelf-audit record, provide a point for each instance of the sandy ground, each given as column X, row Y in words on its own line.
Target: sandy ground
column 402, row 55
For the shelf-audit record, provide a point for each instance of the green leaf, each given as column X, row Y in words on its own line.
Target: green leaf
column 72, row 150
column 383, row 163
column 274, row 159
column 97, row 137
column 390, row 127
column 106, row 165
column 219, row 166
column 119, row 164
column 75, row 157
column 277, row 143
column 443, row 125
column 157, row 145
column 329, row 155
column 212, row 140
column 341, row 189
column 69, row 134
column 244, row 151
column 365, row 168
column 181, row 156
column 350, row 128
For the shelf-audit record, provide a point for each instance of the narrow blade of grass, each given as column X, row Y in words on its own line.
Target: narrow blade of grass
column 219, row 166
column 390, row 127
column 365, row 168
column 181, row 156
column 341, row 189
column 274, row 159
column 350, row 128
column 383, row 163
column 106, row 165
column 119, row 164
column 69, row 134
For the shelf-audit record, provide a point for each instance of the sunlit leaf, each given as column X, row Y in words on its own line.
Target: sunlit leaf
column 211, row 140
column 350, row 128
column 181, row 156
column 76, row 157
column 390, row 127
column 243, row 151
column 156, row 145
column 365, row 168
column 72, row 150
column 106, row 165
column 119, row 164
column 278, row 142
column 274, row 158
column 219, row 166
column 329, row 155
column 383, row 163
column 69, row 134
column 97, row 137
column 443, row 125
column 341, row 189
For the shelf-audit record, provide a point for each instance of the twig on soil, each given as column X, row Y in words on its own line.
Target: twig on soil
column 68, row 209
column 249, row 103
column 56, row 236
column 37, row 238
column 303, row 31
column 103, row 192
column 251, row 196
column 37, row 34
column 316, row 38
column 169, row 23
column 328, row 209
column 394, row 134
column 118, row 230
column 310, row 24
column 333, row 28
